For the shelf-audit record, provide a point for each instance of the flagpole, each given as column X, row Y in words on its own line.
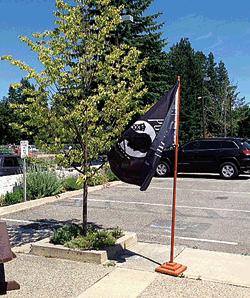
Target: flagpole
column 171, row 267
column 175, row 177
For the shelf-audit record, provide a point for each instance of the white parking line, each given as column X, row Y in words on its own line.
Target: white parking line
column 19, row 220
column 165, row 205
column 198, row 239
column 196, row 190
column 207, row 240
column 28, row 221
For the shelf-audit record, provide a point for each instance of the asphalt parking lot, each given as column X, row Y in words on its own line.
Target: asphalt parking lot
column 211, row 213
column 212, row 218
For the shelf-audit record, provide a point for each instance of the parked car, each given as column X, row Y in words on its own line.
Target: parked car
column 227, row 156
column 10, row 164
column 32, row 148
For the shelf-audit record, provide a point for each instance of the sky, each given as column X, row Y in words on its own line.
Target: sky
column 218, row 26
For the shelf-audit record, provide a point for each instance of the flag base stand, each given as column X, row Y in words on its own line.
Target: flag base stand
column 171, row 269
column 8, row 286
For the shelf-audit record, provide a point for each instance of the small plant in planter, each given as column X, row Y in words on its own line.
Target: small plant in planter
column 71, row 236
column 66, row 233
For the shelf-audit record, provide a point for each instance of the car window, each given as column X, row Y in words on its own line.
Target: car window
column 10, row 162
column 228, row 144
column 247, row 145
column 191, row 146
column 210, row 145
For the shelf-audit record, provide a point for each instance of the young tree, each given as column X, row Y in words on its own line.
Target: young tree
column 83, row 97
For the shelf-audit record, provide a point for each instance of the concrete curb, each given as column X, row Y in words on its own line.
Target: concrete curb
column 46, row 249
column 43, row 201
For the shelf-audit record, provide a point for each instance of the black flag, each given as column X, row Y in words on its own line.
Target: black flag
column 134, row 158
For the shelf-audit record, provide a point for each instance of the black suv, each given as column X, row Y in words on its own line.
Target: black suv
column 227, row 156
column 10, row 164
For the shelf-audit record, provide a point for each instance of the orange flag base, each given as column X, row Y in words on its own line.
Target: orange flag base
column 171, row 268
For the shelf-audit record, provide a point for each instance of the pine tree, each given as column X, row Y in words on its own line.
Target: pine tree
column 18, row 97
column 144, row 34
column 211, row 95
column 189, row 65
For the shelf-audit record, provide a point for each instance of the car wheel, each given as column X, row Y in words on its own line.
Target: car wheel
column 162, row 170
column 228, row 170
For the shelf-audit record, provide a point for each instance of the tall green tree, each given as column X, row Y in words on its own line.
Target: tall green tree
column 183, row 61
column 210, row 88
column 17, row 97
column 9, row 116
column 243, row 116
column 144, row 33
column 65, row 105
column 223, row 104
column 4, row 121
column 207, row 97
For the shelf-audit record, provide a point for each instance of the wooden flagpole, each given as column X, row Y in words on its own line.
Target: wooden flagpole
column 175, row 179
column 173, row 268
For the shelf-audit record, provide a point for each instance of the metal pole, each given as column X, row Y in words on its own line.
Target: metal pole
column 203, row 110
column 231, row 116
column 24, row 180
column 175, row 179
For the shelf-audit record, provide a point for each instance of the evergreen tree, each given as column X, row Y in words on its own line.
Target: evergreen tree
column 5, row 134
column 210, row 88
column 144, row 34
column 242, row 114
column 18, row 97
column 184, row 62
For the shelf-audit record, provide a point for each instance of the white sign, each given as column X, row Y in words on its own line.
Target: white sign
column 24, row 148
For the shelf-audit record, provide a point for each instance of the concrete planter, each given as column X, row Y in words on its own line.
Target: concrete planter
column 46, row 249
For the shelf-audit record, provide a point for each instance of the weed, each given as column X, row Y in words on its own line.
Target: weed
column 117, row 232
column 110, row 264
column 245, row 254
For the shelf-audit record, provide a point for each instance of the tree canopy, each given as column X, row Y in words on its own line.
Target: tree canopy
column 89, row 87
column 201, row 78
column 215, row 102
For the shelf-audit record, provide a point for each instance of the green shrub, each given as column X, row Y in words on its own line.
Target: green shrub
column 70, row 183
column 66, row 234
column 110, row 175
column 96, row 240
column 11, row 198
column 98, row 179
column 41, row 183
column 103, row 176
column 71, row 236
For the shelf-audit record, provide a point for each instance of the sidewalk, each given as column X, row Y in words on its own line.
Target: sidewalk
column 132, row 274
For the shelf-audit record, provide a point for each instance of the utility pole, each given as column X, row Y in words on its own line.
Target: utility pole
column 206, row 79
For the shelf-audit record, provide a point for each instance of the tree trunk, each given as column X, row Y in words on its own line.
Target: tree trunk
column 85, row 208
